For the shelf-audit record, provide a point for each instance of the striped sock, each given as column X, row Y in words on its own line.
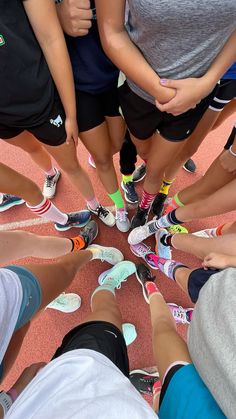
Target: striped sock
column 166, row 184
column 147, row 199
column 168, row 220
column 47, row 210
column 127, row 178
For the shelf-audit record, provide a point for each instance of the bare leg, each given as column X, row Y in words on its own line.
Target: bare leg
column 66, row 157
column 182, row 277
column 228, row 110
column 105, row 308
column 116, row 128
column 20, row 244
column 34, row 148
column 201, row 246
column 142, row 147
column 229, row 228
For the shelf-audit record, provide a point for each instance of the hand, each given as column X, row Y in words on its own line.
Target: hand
column 218, row 261
column 189, row 92
column 164, row 95
column 228, row 161
column 71, row 131
column 75, row 17
column 27, row 375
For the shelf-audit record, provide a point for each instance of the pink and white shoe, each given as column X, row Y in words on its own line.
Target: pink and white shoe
column 180, row 314
column 91, row 161
column 143, row 251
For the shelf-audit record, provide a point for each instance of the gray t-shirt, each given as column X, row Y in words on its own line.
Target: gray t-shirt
column 179, row 38
column 212, row 338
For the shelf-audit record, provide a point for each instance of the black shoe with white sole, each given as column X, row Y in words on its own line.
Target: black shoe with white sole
column 143, row 275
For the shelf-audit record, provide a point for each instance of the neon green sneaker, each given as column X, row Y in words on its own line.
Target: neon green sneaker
column 177, row 229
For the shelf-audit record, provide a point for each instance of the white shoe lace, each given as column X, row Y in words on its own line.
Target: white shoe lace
column 118, row 278
column 180, row 314
column 141, row 250
column 49, row 181
column 121, row 216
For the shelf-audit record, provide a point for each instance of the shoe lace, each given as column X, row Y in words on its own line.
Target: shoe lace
column 61, row 299
column 131, row 188
column 121, row 216
column 143, row 250
column 102, row 211
column 123, row 273
column 106, row 255
column 49, row 181
column 180, row 314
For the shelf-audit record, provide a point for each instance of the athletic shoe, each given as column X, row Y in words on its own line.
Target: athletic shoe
column 107, row 254
column 140, row 217
column 50, row 184
column 104, row 214
column 91, row 161
column 141, row 233
column 158, row 204
column 143, row 251
column 161, row 250
column 143, row 380
column 66, row 302
column 131, row 195
column 180, row 314
column 143, row 275
column 10, row 201
column 190, row 166
column 178, row 228
column 118, row 274
column 140, row 173
column 75, row 219
column 89, row 232
column 122, row 221
column 207, row 233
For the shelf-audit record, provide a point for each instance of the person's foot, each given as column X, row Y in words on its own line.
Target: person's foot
column 158, row 204
column 91, row 161
column 66, row 302
column 143, row 380
column 104, row 214
column 143, row 275
column 130, row 193
column 140, row 218
column 178, row 228
column 140, row 173
column 190, row 166
column 141, row 233
column 141, row 250
column 89, row 233
column 75, row 219
column 10, row 201
column 161, row 250
column 106, row 254
column 50, row 184
column 118, row 274
column 180, row 314
column 122, row 221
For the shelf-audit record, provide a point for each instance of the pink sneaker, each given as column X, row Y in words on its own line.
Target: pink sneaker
column 180, row 314
column 91, row 161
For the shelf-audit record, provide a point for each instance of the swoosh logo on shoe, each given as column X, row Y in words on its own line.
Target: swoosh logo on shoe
column 108, row 331
column 152, row 259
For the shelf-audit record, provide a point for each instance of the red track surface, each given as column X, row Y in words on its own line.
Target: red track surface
column 48, row 329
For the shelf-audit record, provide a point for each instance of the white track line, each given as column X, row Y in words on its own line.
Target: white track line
column 16, row 225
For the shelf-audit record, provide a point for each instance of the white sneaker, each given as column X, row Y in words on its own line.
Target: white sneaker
column 104, row 214
column 141, row 233
column 107, row 254
column 50, row 184
column 122, row 221
column 67, row 303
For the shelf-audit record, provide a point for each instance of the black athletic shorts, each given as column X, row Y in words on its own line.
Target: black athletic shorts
column 197, row 279
column 99, row 336
column 231, row 138
column 144, row 119
column 225, row 93
column 51, row 132
column 93, row 108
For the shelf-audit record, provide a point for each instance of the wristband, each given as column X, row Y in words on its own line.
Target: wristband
column 12, row 393
column 5, row 401
column 231, row 151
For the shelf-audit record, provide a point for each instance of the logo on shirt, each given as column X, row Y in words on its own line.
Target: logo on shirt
column 2, row 40
column 57, row 122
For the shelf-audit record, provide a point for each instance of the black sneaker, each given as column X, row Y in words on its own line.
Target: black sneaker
column 89, row 233
column 143, row 274
column 140, row 173
column 143, row 380
column 140, row 217
column 131, row 195
column 190, row 166
column 158, row 204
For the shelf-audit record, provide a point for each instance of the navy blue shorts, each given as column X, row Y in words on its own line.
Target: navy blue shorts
column 197, row 279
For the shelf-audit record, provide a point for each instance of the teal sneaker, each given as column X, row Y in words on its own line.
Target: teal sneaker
column 66, row 303
column 106, row 254
column 118, row 274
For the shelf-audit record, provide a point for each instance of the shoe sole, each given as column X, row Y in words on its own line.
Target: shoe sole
column 189, row 171
column 139, row 180
column 52, row 196
column 151, row 374
column 72, row 226
column 127, row 199
column 7, row 207
column 144, row 294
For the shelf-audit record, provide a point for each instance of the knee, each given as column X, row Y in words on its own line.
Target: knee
column 103, row 163
column 71, row 167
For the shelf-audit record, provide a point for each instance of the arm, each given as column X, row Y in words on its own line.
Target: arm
column 122, row 51
column 219, row 261
column 49, row 34
column 75, row 16
column 191, row 91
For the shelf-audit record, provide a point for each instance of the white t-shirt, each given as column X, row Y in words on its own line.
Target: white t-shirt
column 81, row 384
column 10, row 302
